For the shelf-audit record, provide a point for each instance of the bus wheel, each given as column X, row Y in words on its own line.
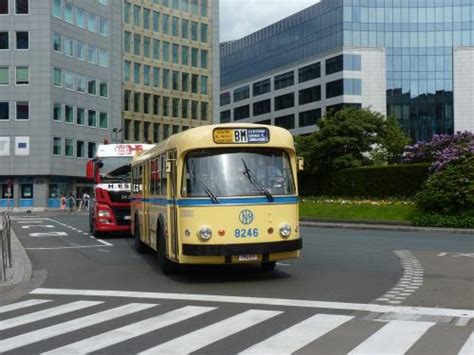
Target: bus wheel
column 167, row 265
column 140, row 247
column 268, row 266
column 94, row 231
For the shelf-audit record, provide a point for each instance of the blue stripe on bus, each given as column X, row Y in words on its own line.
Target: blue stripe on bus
column 227, row 201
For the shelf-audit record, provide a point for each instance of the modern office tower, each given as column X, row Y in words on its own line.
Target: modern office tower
column 409, row 58
column 60, row 94
column 170, row 55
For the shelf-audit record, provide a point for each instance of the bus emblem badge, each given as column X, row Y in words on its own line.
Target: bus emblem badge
column 246, row 217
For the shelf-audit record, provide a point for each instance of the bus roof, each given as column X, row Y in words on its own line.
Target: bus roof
column 203, row 137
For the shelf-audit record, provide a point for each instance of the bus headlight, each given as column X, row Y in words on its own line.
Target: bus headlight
column 285, row 230
column 103, row 213
column 205, row 233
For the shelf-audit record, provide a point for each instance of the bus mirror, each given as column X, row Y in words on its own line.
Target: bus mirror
column 90, row 170
column 168, row 166
column 300, row 162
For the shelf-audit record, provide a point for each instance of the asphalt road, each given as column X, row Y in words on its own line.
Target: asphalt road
column 348, row 292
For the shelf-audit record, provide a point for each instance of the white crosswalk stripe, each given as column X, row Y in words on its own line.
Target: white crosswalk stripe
column 394, row 338
column 47, row 313
column 468, row 348
column 299, row 335
column 63, row 328
column 119, row 335
column 20, row 305
column 198, row 339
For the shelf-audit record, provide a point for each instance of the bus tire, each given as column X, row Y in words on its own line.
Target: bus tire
column 167, row 265
column 268, row 266
column 94, row 232
column 140, row 247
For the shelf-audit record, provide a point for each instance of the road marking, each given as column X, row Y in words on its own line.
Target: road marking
column 19, row 305
column 46, row 313
column 299, row 335
column 468, row 348
column 37, row 226
column 102, row 241
column 127, row 332
column 33, row 221
column 59, row 248
column 70, row 326
column 377, row 308
column 49, row 234
column 198, row 339
column 399, row 336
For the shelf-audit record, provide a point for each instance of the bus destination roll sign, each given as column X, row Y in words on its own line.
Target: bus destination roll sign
column 241, row 135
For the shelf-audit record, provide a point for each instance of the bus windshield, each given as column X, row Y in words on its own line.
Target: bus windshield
column 218, row 173
column 115, row 168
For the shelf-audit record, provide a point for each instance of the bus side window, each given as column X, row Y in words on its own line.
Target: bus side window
column 164, row 178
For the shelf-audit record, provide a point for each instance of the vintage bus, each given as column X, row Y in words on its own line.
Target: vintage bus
column 219, row 194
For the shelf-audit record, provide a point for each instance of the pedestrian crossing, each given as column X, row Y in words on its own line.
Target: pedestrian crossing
column 98, row 325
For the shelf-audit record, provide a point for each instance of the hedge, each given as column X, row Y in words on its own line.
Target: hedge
column 400, row 181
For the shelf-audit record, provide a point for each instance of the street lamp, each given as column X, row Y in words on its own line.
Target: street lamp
column 116, row 132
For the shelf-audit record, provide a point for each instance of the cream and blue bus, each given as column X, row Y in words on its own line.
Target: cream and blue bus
column 219, row 194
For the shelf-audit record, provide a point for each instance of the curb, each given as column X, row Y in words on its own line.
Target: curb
column 21, row 272
column 382, row 227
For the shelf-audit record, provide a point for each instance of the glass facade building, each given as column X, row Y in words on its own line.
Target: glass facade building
column 418, row 36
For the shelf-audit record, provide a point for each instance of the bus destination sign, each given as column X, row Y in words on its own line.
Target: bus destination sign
column 241, row 135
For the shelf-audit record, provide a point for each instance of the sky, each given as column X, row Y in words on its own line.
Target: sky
column 239, row 18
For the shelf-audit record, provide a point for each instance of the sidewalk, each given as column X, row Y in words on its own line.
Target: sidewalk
column 386, row 226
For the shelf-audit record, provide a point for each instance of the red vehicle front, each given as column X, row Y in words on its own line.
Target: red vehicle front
column 110, row 207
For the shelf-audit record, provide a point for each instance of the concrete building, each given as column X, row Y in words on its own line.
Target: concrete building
column 60, row 94
column 170, row 56
column 412, row 59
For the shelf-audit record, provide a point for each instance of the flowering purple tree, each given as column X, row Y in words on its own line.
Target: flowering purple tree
column 441, row 150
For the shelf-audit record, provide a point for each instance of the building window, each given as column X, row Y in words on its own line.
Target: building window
column 194, row 31
column 103, row 26
column 204, row 85
column 156, row 21
column 4, row 76
column 68, row 114
column 156, row 77
column 334, row 65
column 68, row 147
column 4, row 40
column 185, row 82
column 352, row 87
column 225, row 99
column 184, row 55
column 204, row 111
column 309, row 118
column 241, row 93
column 80, row 82
column 69, row 80
column 284, row 101
column 69, row 13
column 204, row 59
column 241, row 112
column 91, row 22
column 194, row 110
column 22, row 110
column 185, row 29
column 68, row 47
column 58, row 111
column 91, row 147
column 137, row 42
column 146, row 75
column 156, row 132
column 146, row 131
column 185, row 109
column 146, row 46
column 80, row 116
column 266, row 122
column 166, row 131
column 22, row 75
column 136, row 102
column 204, row 33
column 92, row 118
column 262, row 107
column 175, row 108
column 156, row 105
column 338, row 107
column 57, row 146
column 175, row 26
column 352, row 62
column 225, row 116
column 127, row 36
column 103, row 58
column 136, row 73
column 284, row 80
column 310, row 95
column 261, row 87
column 146, row 103
column 166, row 106
column 80, row 149
column 166, row 78
column 57, row 77
column 309, row 72
column 92, row 86
column 165, row 24
column 4, row 110
column 80, row 50
column 175, row 80
column 194, row 83
column 3, row 7
column 22, row 7
column 156, row 49
column 136, row 131
column 194, row 57
column 57, row 43
column 103, row 89
column 287, row 121
column 80, row 18
column 103, row 120
column 335, row 88
column 126, row 100
column 126, row 130
column 92, row 54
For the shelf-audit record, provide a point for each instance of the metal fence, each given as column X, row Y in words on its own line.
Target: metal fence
column 5, row 244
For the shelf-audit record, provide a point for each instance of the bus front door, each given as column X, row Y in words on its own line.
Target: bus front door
column 172, row 243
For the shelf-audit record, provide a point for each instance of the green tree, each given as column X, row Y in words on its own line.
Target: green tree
column 395, row 140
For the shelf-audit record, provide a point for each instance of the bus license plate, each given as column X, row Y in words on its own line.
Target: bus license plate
column 127, row 218
column 248, row 257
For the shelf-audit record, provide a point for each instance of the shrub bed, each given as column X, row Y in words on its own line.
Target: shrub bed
column 460, row 220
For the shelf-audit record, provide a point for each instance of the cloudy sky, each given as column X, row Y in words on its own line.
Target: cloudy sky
column 239, row 18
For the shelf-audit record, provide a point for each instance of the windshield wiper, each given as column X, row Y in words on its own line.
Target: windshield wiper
column 253, row 179
column 204, row 185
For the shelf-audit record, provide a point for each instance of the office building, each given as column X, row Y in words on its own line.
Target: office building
column 170, row 54
column 408, row 58
column 60, row 94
